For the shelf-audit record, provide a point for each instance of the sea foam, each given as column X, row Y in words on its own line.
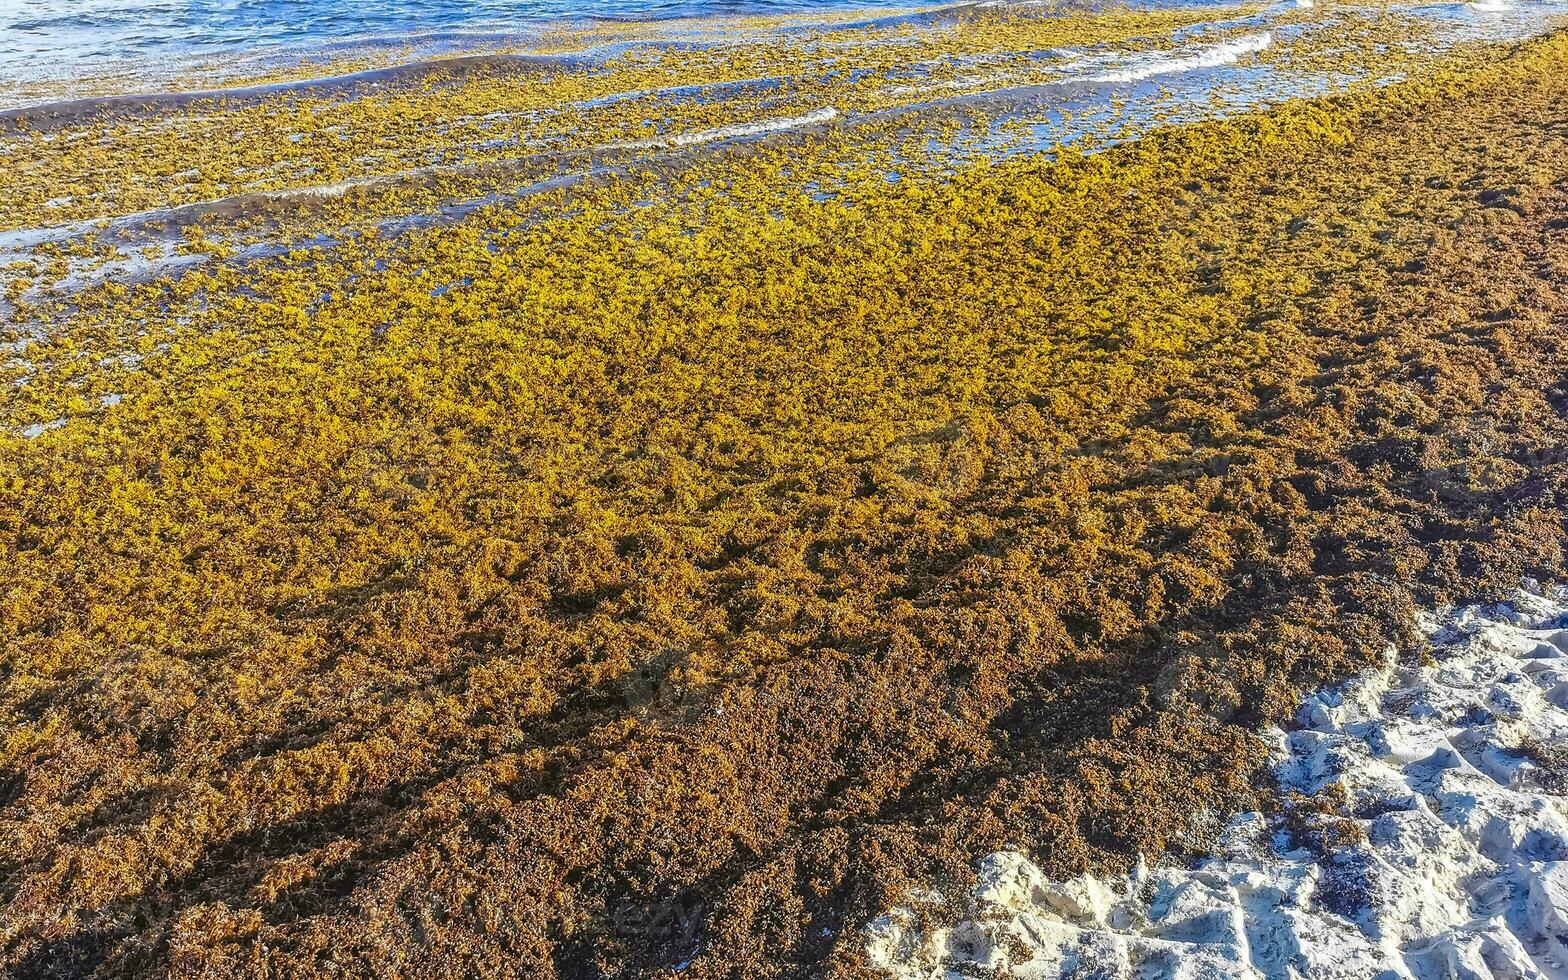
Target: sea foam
column 1210, row 56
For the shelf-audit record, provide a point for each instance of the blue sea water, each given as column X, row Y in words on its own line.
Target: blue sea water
column 59, row 37
column 141, row 44
column 69, row 39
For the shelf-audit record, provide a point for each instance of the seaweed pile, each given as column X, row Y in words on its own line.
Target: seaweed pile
column 665, row 573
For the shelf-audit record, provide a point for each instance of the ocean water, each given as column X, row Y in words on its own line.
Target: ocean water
column 61, row 38
column 140, row 42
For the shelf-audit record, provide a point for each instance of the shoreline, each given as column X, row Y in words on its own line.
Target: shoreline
column 671, row 571
column 551, row 33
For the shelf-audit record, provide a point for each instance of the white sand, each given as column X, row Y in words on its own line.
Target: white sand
column 1463, row 872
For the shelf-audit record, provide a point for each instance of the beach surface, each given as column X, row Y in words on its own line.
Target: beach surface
column 992, row 490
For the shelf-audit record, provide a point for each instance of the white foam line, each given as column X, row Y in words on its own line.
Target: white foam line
column 1211, row 56
column 734, row 131
column 1447, row 859
column 1136, row 69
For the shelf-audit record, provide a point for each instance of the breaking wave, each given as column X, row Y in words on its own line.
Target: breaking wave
column 1210, row 56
